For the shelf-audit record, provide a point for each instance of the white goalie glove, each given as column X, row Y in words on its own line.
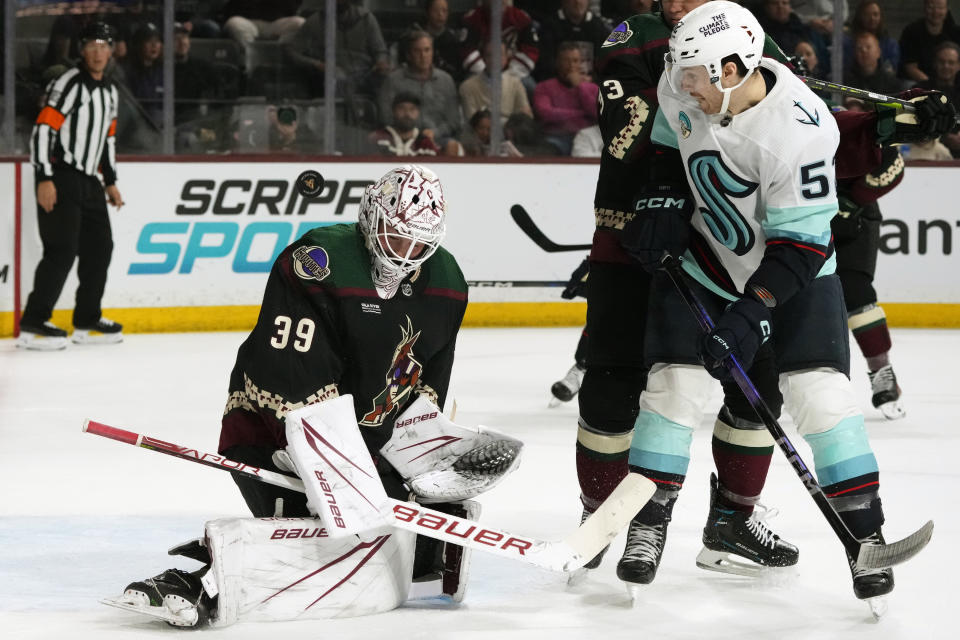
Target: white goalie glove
column 441, row 461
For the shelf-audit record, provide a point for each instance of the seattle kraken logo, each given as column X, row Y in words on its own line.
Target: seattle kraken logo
column 810, row 119
column 717, row 183
column 685, row 125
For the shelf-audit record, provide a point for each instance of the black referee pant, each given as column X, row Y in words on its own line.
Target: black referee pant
column 78, row 227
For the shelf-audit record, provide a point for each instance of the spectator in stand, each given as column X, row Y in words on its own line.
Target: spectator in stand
column 588, row 143
column 572, row 22
column 446, row 41
column 475, row 90
column 818, row 14
column 434, row 87
column 62, row 50
column 402, row 137
column 786, row 29
column 866, row 70
column 919, row 39
column 806, row 51
column 143, row 71
column 869, row 18
column 476, row 139
column 523, row 134
column 285, row 134
column 946, row 64
column 249, row 20
column 201, row 18
column 567, row 103
column 196, row 82
column 362, row 61
column 519, row 35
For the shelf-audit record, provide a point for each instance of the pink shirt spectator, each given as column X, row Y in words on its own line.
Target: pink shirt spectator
column 563, row 109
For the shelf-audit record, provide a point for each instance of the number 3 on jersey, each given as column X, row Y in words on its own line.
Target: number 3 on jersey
column 717, row 184
column 304, row 333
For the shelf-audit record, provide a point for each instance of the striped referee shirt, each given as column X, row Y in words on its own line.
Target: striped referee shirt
column 77, row 127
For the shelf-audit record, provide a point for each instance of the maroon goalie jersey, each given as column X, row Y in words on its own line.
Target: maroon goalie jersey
column 323, row 331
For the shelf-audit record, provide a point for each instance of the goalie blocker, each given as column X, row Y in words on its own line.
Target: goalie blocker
column 350, row 560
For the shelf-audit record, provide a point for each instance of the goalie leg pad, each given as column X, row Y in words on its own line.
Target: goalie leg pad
column 289, row 569
column 341, row 481
column 441, row 461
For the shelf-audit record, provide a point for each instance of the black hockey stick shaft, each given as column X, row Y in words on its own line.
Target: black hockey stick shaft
column 862, row 94
column 868, row 556
column 529, row 227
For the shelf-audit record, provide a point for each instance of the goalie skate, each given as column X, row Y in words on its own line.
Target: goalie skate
column 175, row 596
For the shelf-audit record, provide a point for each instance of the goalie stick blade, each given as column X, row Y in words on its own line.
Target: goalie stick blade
column 529, row 227
column 610, row 518
column 881, row 556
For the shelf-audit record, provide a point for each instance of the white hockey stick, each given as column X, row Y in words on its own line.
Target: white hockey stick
column 568, row 554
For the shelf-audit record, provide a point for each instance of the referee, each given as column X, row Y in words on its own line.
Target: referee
column 73, row 141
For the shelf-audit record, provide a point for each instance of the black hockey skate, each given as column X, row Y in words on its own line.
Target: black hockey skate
column 176, row 596
column 872, row 584
column 104, row 331
column 42, row 337
column 734, row 542
column 564, row 390
column 577, row 576
column 886, row 393
column 641, row 558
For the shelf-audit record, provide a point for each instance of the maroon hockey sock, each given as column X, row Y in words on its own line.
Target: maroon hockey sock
column 869, row 326
column 601, row 464
column 742, row 457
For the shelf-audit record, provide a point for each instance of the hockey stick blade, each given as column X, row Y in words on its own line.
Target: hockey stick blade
column 529, row 227
column 568, row 554
column 881, row 556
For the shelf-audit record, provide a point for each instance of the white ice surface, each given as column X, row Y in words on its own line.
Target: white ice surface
column 81, row 516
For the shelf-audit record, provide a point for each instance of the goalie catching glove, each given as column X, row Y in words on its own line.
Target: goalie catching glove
column 441, row 461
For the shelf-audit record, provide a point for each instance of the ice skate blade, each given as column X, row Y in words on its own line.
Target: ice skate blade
column 723, row 562
column 577, row 577
column 82, row 336
column 878, row 606
column 554, row 402
column 182, row 613
column 33, row 343
column 634, row 592
column 893, row 410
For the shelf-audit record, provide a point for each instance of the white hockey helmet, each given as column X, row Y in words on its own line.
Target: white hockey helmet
column 402, row 217
column 703, row 38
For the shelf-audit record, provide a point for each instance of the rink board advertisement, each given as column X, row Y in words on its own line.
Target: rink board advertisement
column 197, row 240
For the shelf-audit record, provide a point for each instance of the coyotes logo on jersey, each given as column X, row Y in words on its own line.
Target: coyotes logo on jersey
column 402, row 376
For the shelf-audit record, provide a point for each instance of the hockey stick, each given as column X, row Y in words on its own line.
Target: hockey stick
column 862, row 94
column 568, row 554
column 869, row 556
column 529, row 227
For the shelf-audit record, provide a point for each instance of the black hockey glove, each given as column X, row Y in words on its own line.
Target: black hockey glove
column 577, row 286
column 935, row 116
column 661, row 223
column 741, row 329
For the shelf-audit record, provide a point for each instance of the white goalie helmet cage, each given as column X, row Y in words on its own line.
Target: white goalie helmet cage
column 707, row 35
column 405, row 204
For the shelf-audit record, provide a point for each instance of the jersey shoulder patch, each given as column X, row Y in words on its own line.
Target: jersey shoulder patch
column 636, row 31
column 334, row 255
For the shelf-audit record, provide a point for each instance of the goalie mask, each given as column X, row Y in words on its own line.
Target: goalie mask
column 700, row 42
column 402, row 220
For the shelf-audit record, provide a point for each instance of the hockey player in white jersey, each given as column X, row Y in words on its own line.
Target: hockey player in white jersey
column 758, row 150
